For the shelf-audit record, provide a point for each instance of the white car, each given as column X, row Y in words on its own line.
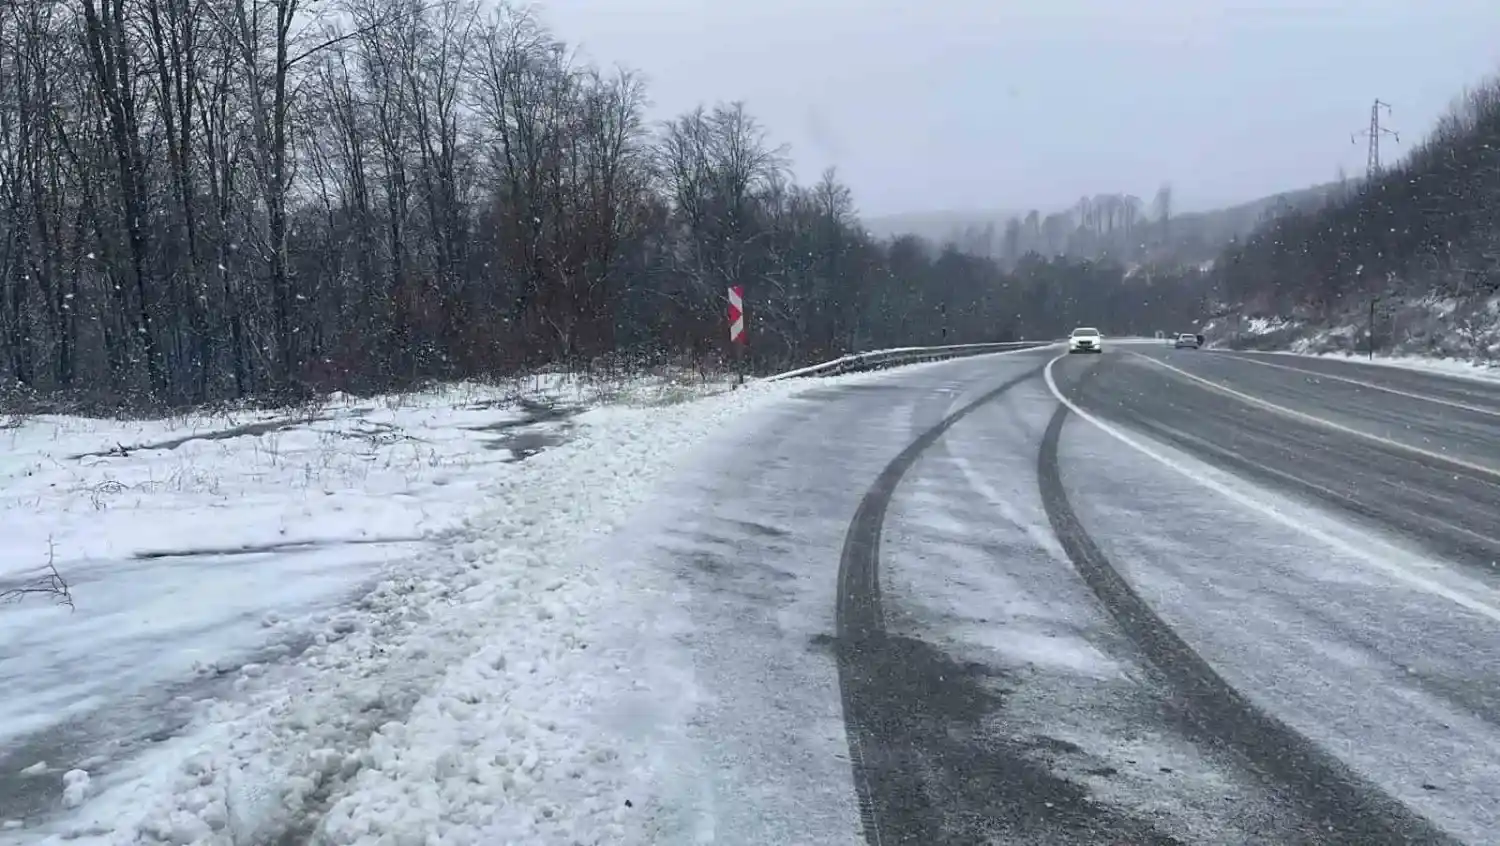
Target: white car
column 1085, row 339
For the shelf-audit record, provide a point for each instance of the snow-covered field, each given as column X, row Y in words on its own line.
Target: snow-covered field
column 386, row 621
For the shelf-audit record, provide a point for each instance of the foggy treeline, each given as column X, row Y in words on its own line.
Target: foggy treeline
column 1118, row 226
column 1125, row 228
column 216, row 199
column 1426, row 227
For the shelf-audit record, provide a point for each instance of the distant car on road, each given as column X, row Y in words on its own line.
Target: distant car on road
column 1085, row 339
column 1186, row 341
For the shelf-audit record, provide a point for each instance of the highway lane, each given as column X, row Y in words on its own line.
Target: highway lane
column 877, row 556
column 1000, row 687
column 1051, row 724
column 1484, row 393
column 1271, row 617
column 1394, row 462
column 1419, row 418
column 1342, row 579
column 750, row 544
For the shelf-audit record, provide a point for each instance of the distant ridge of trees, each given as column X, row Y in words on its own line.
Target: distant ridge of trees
column 1121, row 227
column 1422, row 239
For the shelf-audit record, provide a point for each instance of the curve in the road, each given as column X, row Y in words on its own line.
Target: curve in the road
column 1374, row 386
column 860, row 621
column 1453, row 540
column 916, row 783
column 1429, row 455
column 1345, row 807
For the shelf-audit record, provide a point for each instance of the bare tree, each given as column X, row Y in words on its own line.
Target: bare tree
column 125, row 238
column 1013, row 241
column 219, row 199
column 1162, row 208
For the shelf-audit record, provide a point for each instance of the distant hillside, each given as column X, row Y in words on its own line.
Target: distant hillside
column 1415, row 252
column 937, row 226
column 1221, row 226
column 1118, row 226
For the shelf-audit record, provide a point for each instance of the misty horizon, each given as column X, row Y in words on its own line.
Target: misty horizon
column 972, row 109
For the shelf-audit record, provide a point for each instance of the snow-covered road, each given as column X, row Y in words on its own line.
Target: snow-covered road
column 1150, row 596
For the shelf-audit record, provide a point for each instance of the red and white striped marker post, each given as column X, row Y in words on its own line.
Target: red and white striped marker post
column 737, row 328
column 736, row 314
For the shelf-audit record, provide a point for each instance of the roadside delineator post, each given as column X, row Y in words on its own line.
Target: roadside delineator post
column 737, row 327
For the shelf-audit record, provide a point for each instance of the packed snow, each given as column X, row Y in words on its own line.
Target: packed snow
column 387, row 621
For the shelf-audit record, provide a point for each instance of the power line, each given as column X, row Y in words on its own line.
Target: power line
column 1372, row 164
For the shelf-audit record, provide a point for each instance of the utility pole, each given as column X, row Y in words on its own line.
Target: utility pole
column 1372, row 164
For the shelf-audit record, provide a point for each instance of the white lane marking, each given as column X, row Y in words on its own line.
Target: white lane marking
column 1326, row 492
column 1327, row 424
column 1493, row 412
column 1203, row 477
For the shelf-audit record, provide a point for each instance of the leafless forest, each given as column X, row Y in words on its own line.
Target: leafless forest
column 1422, row 238
column 208, row 200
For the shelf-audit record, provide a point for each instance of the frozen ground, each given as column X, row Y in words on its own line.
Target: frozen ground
column 1443, row 366
column 381, row 619
column 1468, row 333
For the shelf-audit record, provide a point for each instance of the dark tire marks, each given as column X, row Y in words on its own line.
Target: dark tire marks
column 861, row 646
column 1339, row 806
column 927, row 766
column 859, row 615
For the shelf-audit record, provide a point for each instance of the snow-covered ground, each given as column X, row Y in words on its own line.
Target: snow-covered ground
column 1444, row 366
column 386, row 621
column 1435, row 334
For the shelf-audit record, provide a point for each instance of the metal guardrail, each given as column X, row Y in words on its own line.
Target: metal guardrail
column 878, row 359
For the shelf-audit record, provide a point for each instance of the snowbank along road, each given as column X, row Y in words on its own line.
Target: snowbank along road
column 1153, row 596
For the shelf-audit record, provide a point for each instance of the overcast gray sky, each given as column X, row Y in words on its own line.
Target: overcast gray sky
column 985, row 104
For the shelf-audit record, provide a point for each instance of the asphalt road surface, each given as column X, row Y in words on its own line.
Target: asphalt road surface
column 1152, row 596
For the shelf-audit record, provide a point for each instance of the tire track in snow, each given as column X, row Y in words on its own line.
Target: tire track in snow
column 925, row 769
column 1341, row 807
